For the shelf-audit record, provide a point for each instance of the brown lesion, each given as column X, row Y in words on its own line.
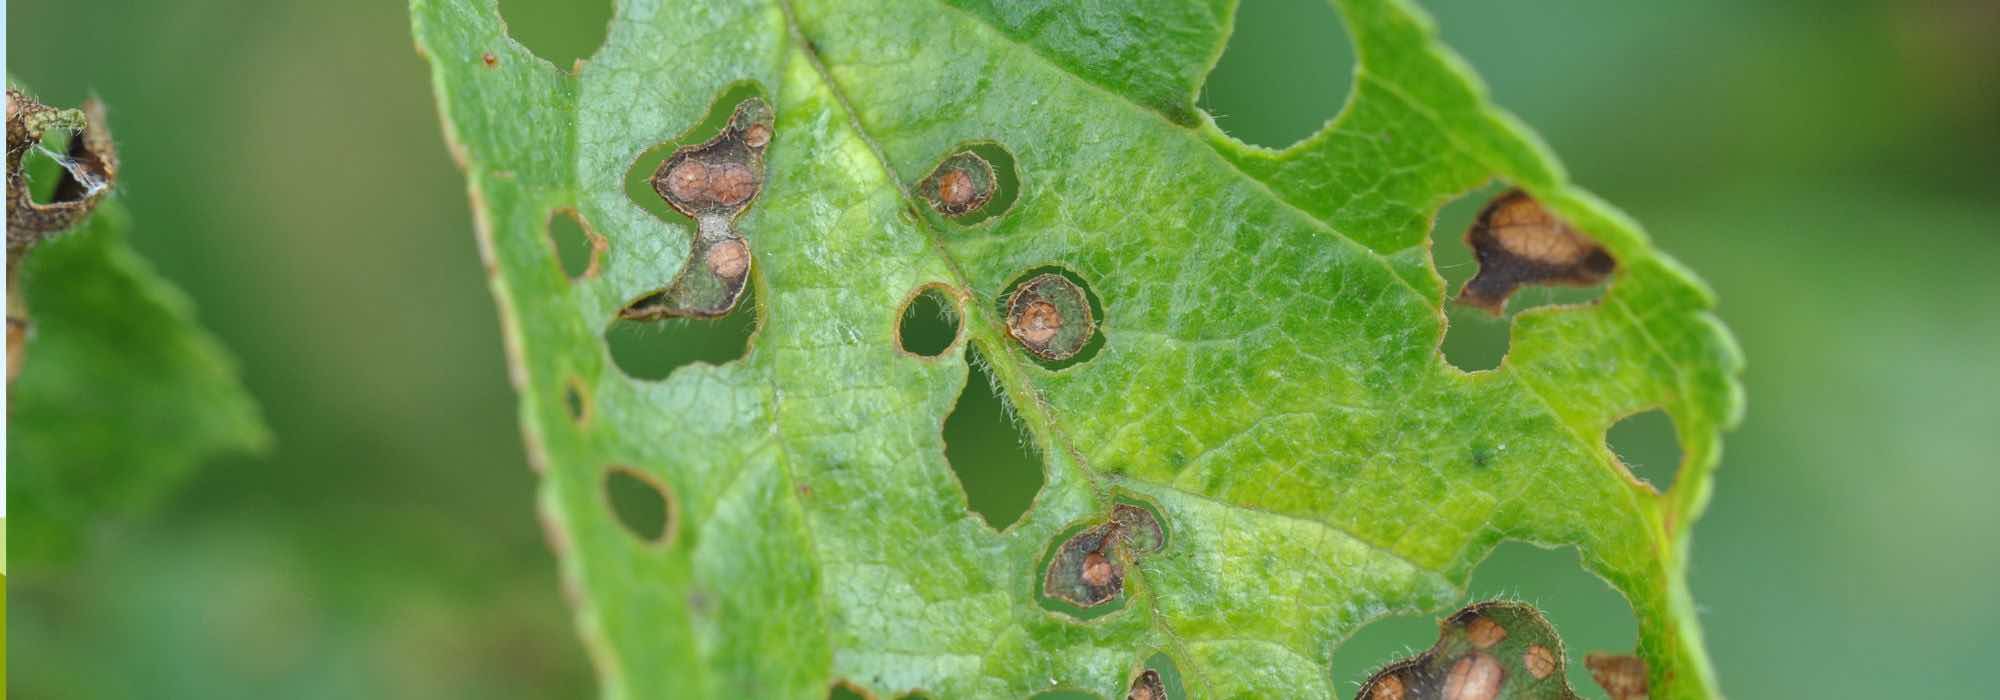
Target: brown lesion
column 1484, row 651
column 712, row 183
column 963, row 184
column 1089, row 568
column 1518, row 242
column 1621, row 676
column 89, row 169
column 1050, row 316
column 1147, row 686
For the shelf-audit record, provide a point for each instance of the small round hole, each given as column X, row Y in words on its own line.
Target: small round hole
column 575, row 401
column 929, row 324
column 577, row 248
column 642, row 504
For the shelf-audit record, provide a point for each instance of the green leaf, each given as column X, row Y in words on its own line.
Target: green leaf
column 1265, row 379
column 120, row 394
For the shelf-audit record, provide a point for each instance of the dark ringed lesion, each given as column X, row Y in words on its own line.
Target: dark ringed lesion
column 712, row 183
column 1518, row 242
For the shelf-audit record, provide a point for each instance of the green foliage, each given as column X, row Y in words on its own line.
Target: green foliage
column 120, row 393
column 1269, row 381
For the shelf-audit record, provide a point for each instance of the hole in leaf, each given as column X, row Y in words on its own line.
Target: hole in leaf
column 1483, row 651
column 1052, row 315
column 642, row 504
column 929, row 324
column 1588, row 612
column 1380, row 642
column 995, row 464
column 1286, row 72
column 560, row 31
column 1158, row 679
column 1648, row 446
column 639, row 178
column 652, row 350
column 846, row 690
column 1474, row 339
column 577, row 247
column 574, row 401
column 44, row 172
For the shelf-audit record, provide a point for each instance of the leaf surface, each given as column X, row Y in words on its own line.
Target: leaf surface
column 1268, row 384
column 120, row 394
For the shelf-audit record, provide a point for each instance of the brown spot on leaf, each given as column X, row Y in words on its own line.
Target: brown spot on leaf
column 1539, row 661
column 694, row 184
column 1622, row 677
column 489, row 59
column 961, row 185
column 1484, row 651
column 1088, row 569
column 729, row 258
column 757, row 135
column 1037, row 323
column 1476, row 676
column 1097, row 570
column 1050, row 316
column 712, row 183
column 1388, row 683
column 1147, row 686
column 1519, row 242
column 1483, row 632
column 723, row 174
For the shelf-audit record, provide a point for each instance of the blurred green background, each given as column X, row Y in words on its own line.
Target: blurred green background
column 1829, row 167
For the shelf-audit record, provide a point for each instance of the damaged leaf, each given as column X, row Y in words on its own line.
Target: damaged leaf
column 88, row 168
column 1485, row 651
column 1255, row 353
column 120, row 394
column 1519, row 242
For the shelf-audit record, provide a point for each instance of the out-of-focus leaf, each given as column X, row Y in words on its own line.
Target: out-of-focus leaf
column 120, row 394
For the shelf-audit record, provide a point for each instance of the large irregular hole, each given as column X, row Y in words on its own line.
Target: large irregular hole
column 1484, row 651
column 1648, row 445
column 1000, row 471
column 973, row 183
column 639, row 178
column 1053, row 316
column 641, row 503
column 1380, row 642
column 577, row 247
column 652, row 350
column 929, row 324
column 1590, row 614
column 561, row 31
column 1477, row 339
column 1285, row 74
